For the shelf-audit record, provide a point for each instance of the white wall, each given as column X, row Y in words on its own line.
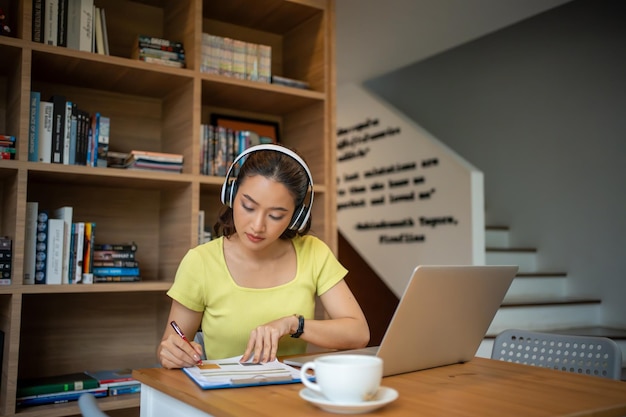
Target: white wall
column 539, row 108
column 430, row 206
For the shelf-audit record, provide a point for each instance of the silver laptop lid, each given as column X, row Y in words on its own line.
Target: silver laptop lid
column 443, row 316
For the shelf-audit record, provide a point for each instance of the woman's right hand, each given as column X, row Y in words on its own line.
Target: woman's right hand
column 175, row 352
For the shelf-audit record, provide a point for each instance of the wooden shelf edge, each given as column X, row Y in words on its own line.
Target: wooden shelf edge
column 146, row 286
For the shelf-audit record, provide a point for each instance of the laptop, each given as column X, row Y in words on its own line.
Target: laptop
column 441, row 318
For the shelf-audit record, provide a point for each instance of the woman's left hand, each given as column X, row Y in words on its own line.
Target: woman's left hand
column 263, row 341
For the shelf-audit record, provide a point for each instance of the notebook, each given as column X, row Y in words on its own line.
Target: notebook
column 441, row 318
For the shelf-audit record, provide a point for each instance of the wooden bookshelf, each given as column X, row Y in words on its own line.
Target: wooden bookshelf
column 67, row 328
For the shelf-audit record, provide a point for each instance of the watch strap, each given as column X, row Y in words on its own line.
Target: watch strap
column 300, row 330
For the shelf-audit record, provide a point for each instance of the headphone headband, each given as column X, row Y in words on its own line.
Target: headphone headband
column 229, row 186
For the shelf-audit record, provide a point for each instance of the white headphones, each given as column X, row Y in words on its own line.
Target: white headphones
column 229, row 188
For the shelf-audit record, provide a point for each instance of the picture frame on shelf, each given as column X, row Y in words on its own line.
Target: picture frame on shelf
column 267, row 131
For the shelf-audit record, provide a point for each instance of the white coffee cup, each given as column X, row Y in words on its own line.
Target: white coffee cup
column 344, row 378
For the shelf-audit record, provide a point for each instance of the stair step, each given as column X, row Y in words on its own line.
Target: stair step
column 497, row 236
column 538, row 284
column 525, row 258
column 545, row 314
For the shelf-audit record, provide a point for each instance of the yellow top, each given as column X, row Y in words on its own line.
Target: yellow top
column 230, row 312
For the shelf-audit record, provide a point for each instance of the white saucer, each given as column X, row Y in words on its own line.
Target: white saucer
column 383, row 397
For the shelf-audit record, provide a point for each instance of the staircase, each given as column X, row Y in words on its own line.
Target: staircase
column 538, row 300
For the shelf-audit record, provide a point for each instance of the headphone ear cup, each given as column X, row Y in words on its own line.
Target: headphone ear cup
column 298, row 218
column 229, row 193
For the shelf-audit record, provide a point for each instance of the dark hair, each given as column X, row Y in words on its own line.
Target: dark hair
column 279, row 167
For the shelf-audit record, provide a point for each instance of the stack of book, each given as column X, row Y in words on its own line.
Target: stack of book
column 154, row 161
column 57, row 389
column 7, row 147
column 290, row 82
column 159, row 51
column 6, row 256
column 117, row 381
column 69, row 387
column 116, row 263
column 235, row 58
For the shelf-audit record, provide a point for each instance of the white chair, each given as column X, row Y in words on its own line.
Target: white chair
column 589, row 355
column 88, row 406
column 199, row 338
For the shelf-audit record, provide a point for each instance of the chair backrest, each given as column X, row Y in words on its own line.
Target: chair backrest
column 199, row 338
column 588, row 355
column 88, row 406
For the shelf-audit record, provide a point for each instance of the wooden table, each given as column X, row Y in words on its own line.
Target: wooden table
column 482, row 388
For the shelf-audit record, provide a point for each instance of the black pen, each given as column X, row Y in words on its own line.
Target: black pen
column 182, row 335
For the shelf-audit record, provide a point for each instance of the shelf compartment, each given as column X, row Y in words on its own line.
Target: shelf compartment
column 275, row 16
column 58, row 328
column 11, row 85
column 59, row 65
column 295, row 31
column 155, row 215
column 148, row 109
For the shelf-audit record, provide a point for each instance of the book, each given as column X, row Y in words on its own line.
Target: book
column 88, row 241
column 158, row 53
column 30, row 241
column 46, row 110
column 159, row 161
column 38, row 18
column 252, row 61
column 125, row 389
column 86, row 38
column 65, row 213
column 6, row 257
column 116, row 278
column 239, row 59
column 290, row 82
column 119, row 263
column 55, row 384
column 104, row 126
column 115, row 271
column 93, row 138
column 105, row 32
column 78, row 251
column 230, row 373
column 161, row 61
column 59, row 397
column 131, row 246
column 73, row 134
column 58, row 128
column 113, row 377
column 51, row 22
column 210, row 57
column 80, row 25
column 54, row 255
column 41, row 247
column 83, row 124
column 165, row 44
column 67, row 119
column 265, row 63
column 98, row 33
column 107, row 255
column 62, row 23
column 33, row 127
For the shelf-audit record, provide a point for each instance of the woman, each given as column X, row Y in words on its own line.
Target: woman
column 255, row 285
